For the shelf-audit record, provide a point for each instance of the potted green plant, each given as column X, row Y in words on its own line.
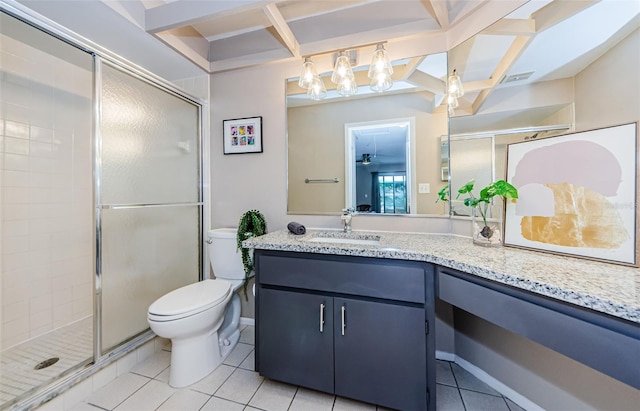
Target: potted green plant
column 486, row 232
column 252, row 224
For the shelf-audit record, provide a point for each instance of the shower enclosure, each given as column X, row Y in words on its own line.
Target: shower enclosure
column 101, row 196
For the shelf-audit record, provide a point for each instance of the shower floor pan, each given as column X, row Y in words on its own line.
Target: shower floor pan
column 71, row 345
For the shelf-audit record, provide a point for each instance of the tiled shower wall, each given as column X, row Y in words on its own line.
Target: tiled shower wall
column 46, row 195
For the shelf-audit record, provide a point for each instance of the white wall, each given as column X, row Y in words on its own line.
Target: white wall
column 611, row 81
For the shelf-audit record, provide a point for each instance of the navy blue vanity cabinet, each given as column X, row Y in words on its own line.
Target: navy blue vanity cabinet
column 353, row 326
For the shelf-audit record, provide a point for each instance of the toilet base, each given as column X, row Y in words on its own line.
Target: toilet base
column 193, row 359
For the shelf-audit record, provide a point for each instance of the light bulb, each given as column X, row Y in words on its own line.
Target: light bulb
column 342, row 69
column 380, row 63
column 381, row 82
column 307, row 74
column 317, row 90
column 347, row 87
column 455, row 85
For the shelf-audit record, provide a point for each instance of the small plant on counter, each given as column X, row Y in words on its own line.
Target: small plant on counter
column 481, row 204
column 252, row 224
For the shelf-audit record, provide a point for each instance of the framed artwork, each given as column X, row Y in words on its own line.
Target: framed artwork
column 577, row 194
column 242, row 135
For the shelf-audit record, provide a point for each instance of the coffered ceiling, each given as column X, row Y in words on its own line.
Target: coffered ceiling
column 221, row 35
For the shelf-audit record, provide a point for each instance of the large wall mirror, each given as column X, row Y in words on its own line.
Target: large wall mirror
column 379, row 153
column 549, row 68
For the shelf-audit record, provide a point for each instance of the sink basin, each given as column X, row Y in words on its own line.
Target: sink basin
column 352, row 241
column 345, row 238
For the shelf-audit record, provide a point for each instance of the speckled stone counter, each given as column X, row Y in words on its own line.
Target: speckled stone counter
column 607, row 288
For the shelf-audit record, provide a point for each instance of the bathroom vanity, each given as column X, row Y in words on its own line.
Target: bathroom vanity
column 353, row 326
column 352, row 314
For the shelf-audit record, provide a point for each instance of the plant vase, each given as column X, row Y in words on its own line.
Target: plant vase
column 487, row 224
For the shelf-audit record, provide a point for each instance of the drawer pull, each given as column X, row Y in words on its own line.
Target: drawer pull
column 343, row 312
column 321, row 317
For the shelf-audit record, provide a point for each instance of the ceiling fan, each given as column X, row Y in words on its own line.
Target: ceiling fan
column 365, row 160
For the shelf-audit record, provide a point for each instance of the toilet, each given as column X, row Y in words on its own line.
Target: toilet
column 201, row 319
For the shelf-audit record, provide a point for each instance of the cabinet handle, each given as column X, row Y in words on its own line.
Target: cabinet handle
column 321, row 317
column 343, row 311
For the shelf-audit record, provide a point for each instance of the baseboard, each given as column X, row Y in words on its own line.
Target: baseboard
column 247, row 321
column 508, row 392
column 445, row 356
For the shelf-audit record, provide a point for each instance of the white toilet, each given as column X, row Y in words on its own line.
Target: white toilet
column 201, row 319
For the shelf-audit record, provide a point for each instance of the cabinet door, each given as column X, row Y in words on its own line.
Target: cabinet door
column 295, row 346
column 380, row 353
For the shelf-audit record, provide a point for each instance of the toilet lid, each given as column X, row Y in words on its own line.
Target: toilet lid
column 192, row 298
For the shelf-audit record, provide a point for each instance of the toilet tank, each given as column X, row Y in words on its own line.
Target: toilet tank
column 224, row 257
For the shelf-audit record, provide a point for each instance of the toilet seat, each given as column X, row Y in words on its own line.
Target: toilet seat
column 189, row 300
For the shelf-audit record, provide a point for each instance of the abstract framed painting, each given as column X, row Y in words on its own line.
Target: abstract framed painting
column 578, row 194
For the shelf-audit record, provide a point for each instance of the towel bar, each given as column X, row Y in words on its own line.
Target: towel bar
column 322, row 180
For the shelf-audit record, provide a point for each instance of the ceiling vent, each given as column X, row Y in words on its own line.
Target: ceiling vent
column 516, row 77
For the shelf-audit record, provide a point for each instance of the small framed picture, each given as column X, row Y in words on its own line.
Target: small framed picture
column 242, row 135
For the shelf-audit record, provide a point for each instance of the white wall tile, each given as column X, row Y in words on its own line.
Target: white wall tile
column 15, row 129
column 16, row 145
column 15, row 178
column 15, row 162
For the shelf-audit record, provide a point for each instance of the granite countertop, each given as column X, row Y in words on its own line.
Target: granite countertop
column 608, row 288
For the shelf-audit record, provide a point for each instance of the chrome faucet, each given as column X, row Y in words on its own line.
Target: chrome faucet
column 347, row 215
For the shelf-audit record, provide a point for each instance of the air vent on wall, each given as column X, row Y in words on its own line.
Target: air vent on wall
column 516, row 77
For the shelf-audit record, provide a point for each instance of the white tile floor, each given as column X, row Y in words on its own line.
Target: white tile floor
column 235, row 386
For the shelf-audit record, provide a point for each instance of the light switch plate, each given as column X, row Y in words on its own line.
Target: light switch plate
column 424, row 188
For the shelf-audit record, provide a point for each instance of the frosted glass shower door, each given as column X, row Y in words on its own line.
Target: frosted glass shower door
column 149, row 205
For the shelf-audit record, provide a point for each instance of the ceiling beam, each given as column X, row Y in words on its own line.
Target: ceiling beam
column 182, row 13
column 283, row 29
column 557, row 11
column 515, row 50
column 512, row 27
column 438, row 10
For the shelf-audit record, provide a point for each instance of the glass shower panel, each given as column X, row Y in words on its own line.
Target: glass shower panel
column 150, row 200
column 149, row 143
column 146, row 252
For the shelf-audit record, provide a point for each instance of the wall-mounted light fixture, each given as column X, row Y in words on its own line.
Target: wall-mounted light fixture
column 380, row 70
column 343, row 77
column 366, row 159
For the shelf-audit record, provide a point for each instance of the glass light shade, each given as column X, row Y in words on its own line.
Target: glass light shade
column 381, row 82
column 452, row 103
column 307, row 74
column 380, row 63
column 317, row 90
column 342, row 69
column 348, row 87
column 455, row 85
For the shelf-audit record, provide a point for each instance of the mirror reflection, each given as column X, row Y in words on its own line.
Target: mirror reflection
column 379, row 166
column 549, row 68
column 379, row 153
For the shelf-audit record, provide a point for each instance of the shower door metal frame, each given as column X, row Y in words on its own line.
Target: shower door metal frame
column 102, row 56
column 97, row 184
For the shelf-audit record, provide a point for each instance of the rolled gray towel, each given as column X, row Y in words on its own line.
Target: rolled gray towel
column 296, row 228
